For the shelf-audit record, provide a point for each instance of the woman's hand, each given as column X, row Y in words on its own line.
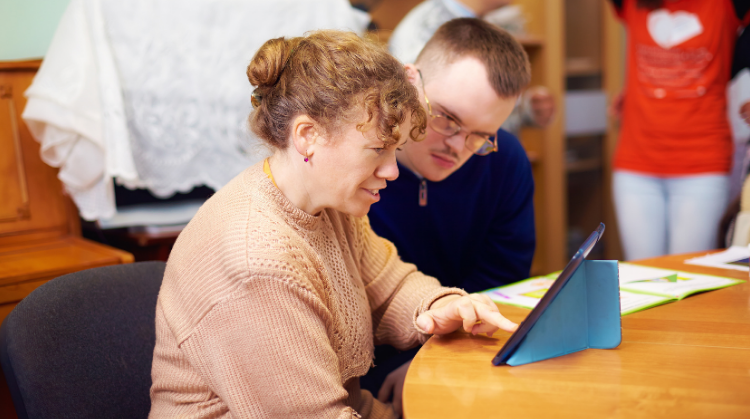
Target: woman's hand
column 475, row 312
column 394, row 385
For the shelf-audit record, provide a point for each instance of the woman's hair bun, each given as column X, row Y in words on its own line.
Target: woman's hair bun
column 332, row 77
column 266, row 66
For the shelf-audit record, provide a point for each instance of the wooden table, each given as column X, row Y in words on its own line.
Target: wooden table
column 686, row 359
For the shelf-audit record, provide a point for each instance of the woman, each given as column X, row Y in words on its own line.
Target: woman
column 670, row 182
column 276, row 291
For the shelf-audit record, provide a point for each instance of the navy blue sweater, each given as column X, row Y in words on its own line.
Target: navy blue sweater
column 477, row 229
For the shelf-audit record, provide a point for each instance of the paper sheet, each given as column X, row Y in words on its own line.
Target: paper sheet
column 641, row 287
column 667, row 282
column 736, row 257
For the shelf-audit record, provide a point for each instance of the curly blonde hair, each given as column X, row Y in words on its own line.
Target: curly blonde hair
column 331, row 76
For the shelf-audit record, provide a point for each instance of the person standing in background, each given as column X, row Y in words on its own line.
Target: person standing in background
column 674, row 153
column 738, row 110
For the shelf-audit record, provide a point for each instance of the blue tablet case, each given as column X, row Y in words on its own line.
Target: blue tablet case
column 584, row 314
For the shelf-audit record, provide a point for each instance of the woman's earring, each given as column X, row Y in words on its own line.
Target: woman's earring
column 306, row 158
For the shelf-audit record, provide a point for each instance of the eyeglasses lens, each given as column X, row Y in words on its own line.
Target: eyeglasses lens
column 443, row 125
column 479, row 144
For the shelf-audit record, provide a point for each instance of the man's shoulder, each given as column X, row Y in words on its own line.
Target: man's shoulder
column 510, row 154
column 505, row 172
column 508, row 143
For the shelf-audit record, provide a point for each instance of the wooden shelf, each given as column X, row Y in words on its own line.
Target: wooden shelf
column 533, row 156
column 32, row 64
column 27, row 266
column 529, row 41
column 594, row 43
column 582, row 67
column 584, row 165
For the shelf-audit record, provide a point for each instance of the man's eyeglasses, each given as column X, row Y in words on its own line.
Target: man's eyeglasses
column 445, row 125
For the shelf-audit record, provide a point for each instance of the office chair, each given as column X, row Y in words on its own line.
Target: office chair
column 81, row 345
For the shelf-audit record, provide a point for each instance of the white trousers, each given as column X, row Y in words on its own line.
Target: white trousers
column 668, row 215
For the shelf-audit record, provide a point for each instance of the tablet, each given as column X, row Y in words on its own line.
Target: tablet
column 523, row 329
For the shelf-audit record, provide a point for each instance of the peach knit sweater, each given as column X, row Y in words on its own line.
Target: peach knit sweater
column 268, row 312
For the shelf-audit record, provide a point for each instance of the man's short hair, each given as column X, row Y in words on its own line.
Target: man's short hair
column 507, row 64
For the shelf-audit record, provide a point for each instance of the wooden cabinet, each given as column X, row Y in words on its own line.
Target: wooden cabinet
column 545, row 22
column 544, row 43
column 39, row 225
column 594, row 61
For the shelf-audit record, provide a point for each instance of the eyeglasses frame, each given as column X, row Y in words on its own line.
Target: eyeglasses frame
column 489, row 140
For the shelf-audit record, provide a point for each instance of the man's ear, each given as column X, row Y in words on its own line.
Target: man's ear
column 412, row 74
column 305, row 133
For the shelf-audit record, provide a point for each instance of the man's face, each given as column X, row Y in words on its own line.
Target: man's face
column 462, row 91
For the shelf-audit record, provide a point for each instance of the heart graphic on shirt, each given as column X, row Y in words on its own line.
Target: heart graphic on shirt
column 670, row 29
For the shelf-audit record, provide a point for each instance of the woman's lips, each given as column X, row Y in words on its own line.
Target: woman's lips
column 373, row 193
column 443, row 161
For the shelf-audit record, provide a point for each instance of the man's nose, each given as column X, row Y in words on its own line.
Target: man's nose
column 456, row 142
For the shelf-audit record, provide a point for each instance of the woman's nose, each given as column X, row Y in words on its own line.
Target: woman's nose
column 389, row 169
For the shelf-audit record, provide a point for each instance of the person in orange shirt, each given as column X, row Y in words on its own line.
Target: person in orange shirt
column 670, row 182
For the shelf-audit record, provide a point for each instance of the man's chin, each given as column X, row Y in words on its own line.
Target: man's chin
column 438, row 174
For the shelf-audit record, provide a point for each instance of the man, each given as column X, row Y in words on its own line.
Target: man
column 536, row 106
column 468, row 221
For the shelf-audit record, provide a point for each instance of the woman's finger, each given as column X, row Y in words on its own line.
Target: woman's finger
column 484, row 327
column 426, row 322
column 489, row 318
column 497, row 319
column 484, row 299
column 467, row 312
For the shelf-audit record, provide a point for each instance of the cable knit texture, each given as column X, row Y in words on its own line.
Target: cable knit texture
column 267, row 311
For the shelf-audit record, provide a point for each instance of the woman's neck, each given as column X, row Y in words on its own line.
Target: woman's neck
column 290, row 178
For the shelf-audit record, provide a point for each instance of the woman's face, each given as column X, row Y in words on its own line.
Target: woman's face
column 350, row 168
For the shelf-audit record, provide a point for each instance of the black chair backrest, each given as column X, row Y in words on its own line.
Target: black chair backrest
column 81, row 345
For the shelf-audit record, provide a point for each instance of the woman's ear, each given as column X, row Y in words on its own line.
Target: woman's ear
column 305, row 133
column 412, row 74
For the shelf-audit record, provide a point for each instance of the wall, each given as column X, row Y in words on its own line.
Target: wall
column 27, row 27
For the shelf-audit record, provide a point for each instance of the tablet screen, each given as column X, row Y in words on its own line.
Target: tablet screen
column 517, row 337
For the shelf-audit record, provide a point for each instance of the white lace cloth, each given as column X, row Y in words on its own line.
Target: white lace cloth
column 153, row 93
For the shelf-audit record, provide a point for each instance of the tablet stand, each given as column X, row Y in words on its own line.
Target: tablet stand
column 585, row 314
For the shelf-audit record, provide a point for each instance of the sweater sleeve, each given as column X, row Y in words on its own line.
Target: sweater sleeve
column 397, row 291
column 266, row 353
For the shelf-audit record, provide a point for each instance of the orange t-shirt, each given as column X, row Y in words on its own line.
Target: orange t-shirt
column 674, row 119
